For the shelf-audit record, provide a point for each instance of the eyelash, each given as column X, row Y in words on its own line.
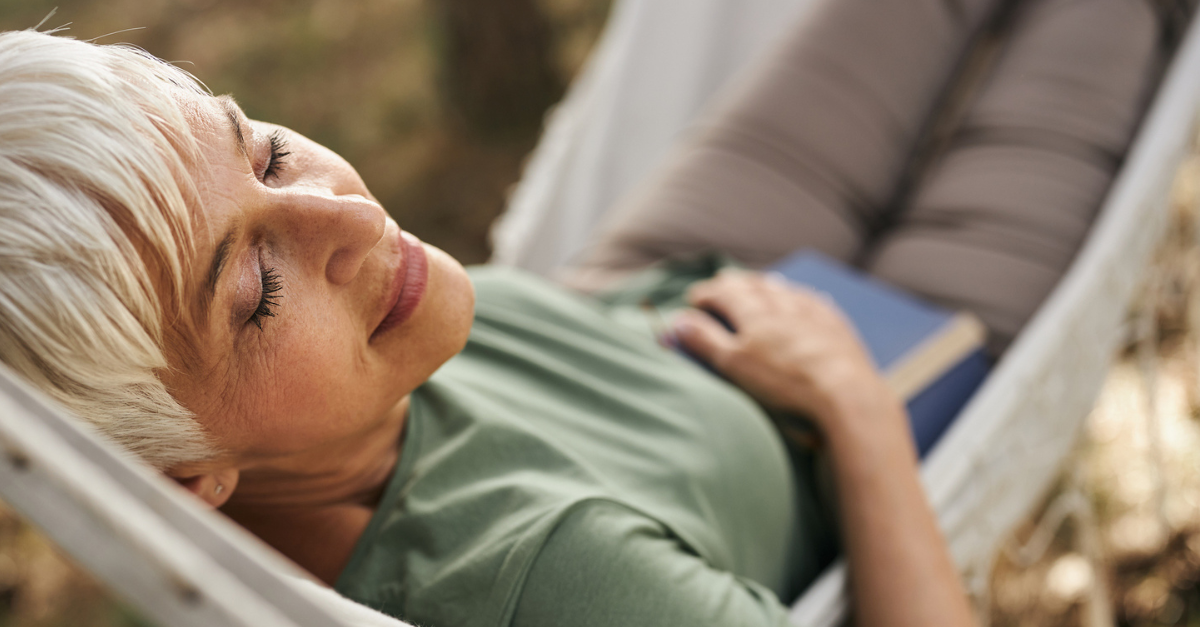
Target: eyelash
column 271, row 285
column 276, row 163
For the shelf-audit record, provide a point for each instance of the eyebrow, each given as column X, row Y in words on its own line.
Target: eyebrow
column 234, row 113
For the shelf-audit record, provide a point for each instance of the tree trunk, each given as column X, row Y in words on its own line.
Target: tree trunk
column 497, row 66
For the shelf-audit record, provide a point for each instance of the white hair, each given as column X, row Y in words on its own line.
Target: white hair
column 94, row 231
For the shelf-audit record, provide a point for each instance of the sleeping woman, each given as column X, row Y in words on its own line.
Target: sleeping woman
column 225, row 298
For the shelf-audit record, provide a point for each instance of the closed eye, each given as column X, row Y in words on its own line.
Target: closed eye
column 279, row 152
column 269, row 300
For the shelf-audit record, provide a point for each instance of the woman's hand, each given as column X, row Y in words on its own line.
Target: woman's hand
column 792, row 349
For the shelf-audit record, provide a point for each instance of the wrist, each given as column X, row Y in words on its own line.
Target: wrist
column 860, row 414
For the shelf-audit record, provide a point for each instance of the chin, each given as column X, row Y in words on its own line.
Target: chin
column 438, row 328
column 454, row 297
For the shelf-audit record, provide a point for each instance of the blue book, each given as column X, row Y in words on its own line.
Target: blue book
column 932, row 357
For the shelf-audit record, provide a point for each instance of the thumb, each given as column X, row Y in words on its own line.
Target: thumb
column 703, row 336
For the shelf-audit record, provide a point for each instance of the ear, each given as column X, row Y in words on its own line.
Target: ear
column 213, row 487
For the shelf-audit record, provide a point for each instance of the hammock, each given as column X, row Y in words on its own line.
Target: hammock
column 998, row 459
column 183, row 565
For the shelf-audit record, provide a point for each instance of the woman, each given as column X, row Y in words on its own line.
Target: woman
column 226, row 299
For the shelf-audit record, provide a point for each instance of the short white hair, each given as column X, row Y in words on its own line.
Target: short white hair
column 94, row 234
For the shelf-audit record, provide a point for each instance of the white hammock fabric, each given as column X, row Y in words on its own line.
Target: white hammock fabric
column 185, row 566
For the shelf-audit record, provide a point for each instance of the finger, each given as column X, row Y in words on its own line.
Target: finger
column 703, row 336
column 735, row 297
column 728, row 278
column 810, row 293
column 776, row 280
column 813, row 300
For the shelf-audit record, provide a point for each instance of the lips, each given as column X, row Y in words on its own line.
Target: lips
column 407, row 286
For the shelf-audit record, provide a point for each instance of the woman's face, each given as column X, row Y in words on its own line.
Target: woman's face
column 314, row 314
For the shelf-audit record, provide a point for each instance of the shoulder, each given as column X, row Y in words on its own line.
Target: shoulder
column 516, row 311
column 500, row 286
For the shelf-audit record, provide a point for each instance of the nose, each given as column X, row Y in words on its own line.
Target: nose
column 336, row 231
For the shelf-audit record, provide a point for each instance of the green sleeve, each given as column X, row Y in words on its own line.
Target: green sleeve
column 607, row 566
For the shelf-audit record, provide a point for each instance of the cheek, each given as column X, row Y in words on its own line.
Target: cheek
column 314, row 378
column 310, row 386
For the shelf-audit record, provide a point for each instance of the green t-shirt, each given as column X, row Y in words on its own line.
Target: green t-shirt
column 566, row 470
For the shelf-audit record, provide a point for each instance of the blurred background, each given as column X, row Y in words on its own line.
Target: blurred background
column 437, row 103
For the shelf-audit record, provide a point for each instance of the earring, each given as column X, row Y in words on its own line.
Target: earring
column 218, row 490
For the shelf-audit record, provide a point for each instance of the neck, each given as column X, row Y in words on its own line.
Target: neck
column 314, row 506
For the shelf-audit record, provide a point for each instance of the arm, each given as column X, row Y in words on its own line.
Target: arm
column 795, row 352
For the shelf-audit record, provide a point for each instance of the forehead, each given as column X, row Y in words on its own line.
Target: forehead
column 204, row 113
column 213, row 124
column 218, row 176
